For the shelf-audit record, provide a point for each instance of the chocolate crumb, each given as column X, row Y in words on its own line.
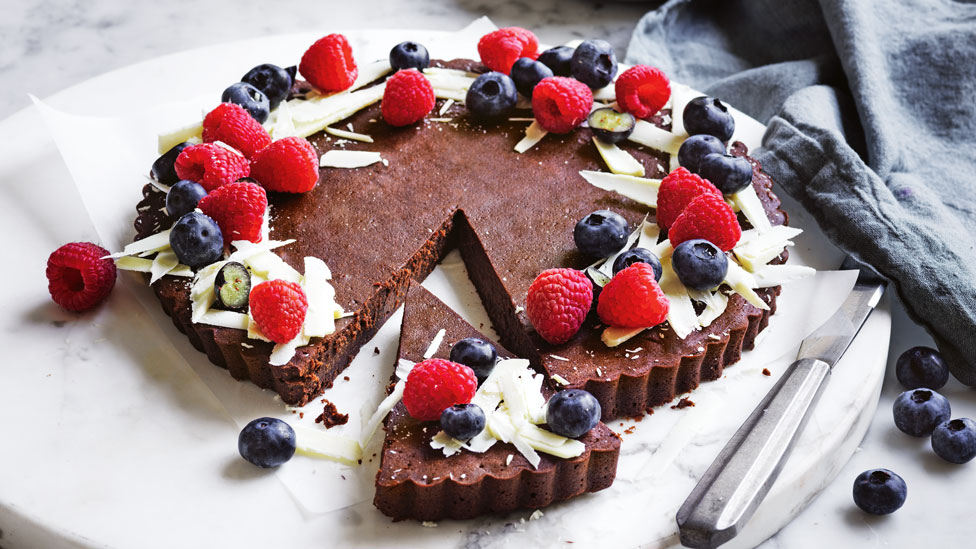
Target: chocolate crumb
column 331, row 417
column 683, row 403
column 766, row 372
column 376, row 351
column 346, row 378
column 630, row 430
column 301, row 415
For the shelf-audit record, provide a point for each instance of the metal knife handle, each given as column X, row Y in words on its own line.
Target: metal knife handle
column 739, row 478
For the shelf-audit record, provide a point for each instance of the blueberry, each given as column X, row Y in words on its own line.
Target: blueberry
column 250, row 98
column 921, row 367
column 463, row 421
column 183, row 197
column 707, row 115
column 637, row 255
column 559, row 59
column 526, row 73
column 695, row 148
column 163, row 169
column 266, row 442
column 409, row 55
column 955, row 441
column 196, row 240
column 729, row 173
column 572, row 413
column 601, row 233
column 879, row 491
column 699, row 264
column 611, row 126
column 273, row 81
column 232, row 286
column 919, row 411
column 594, row 63
column 491, row 95
column 477, row 354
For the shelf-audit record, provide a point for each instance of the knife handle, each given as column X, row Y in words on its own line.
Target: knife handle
column 741, row 475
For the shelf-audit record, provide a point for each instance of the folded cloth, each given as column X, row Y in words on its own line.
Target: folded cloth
column 871, row 126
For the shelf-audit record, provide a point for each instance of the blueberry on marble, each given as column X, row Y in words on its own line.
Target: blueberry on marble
column 729, row 173
column 707, row 115
column 921, row 367
column 196, row 240
column 917, row 412
column 463, row 421
column 572, row 413
column 879, row 491
column 699, row 264
column 249, row 98
column 637, row 255
column 163, row 169
column 601, row 233
column 267, row 442
column 594, row 63
column 559, row 59
column 409, row 55
column 955, row 440
column 183, row 197
column 611, row 126
column 526, row 73
column 477, row 354
column 273, row 81
column 695, row 148
column 491, row 95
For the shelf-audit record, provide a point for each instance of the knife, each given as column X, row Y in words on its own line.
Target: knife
column 743, row 472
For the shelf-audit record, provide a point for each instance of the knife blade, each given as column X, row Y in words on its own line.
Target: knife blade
column 743, row 472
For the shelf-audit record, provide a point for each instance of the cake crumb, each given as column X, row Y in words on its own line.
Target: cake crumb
column 650, row 411
column 345, row 378
column 766, row 372
column 331, row 417
column 683, row 403
column 376, row 351
column 301, row 415
column 630, row 430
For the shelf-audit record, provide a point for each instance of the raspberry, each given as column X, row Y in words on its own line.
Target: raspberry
column 235, row 126
column 408, row 98
column 560, row 104
column 77, row 276
column 289, row 165
column 436, row 384
column 278, row 307
column 677, row 190
column 710, row 218
column 642, row 90
column 238, row 208
column 211, row 165
column 633, row 299
column 328, row 64
column 557, row 303
column 501, row 48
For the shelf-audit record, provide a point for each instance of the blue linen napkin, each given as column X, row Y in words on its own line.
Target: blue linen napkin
column 871, row 114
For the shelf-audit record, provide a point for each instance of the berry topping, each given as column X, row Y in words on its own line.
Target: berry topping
column 594, row 63
column 250, row 98
column 288, row 165
column 233, row 125
column 955, row 441
column 463, row 421
column 560, row 104
column 707, row 115
column 730, row 174
column 196, row 240
column 559, row 59
column 239, row 210
column 436, row 384
column 491, row 95
column 183, row 198
column 879, row 491
column 695, row 148
column 477, row 354
column 527, row 73
column 601, row 234
column 499, row 49
column 611, row 126
column 328, row 64
column 707, row 217
column 163, row 169
column 637, row 255
column 677, row 190
column 572, row 413
column 699, row 264
column 77, row 276
column 557, row 303
column 642, row 90
column 408, row 98
column 409, row 55
column 917, row 412
column 278, row 308
column 633, row 299
column 211, row 165
column 273, row 81
column 921, row 367
column 267, row 442
column 232, row 286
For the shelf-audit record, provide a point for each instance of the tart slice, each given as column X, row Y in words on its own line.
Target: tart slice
column 426, row 475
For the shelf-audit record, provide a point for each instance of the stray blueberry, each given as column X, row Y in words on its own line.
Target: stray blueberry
column 707, row 115
column 163, row 169
column 463, row 421
column 594, row 63
column 409, row 55
column 250, row 98
column 559, row 59
column 955, row 440
column 601, row 233
column 267, row 442
column 695, row 148
column 527, row 73
column 637, row 255
column 921, row 367
column 611, row 126
column 572, row 413
column 879, row 491
column 183, row 197
column 699, row 264
column 196, row 240
column 272, row 80
column 491, row 95
column 729, row 173
column 918, row 411
column 477, row 354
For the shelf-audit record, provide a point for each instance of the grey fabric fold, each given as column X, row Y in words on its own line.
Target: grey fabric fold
column 871, row 114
